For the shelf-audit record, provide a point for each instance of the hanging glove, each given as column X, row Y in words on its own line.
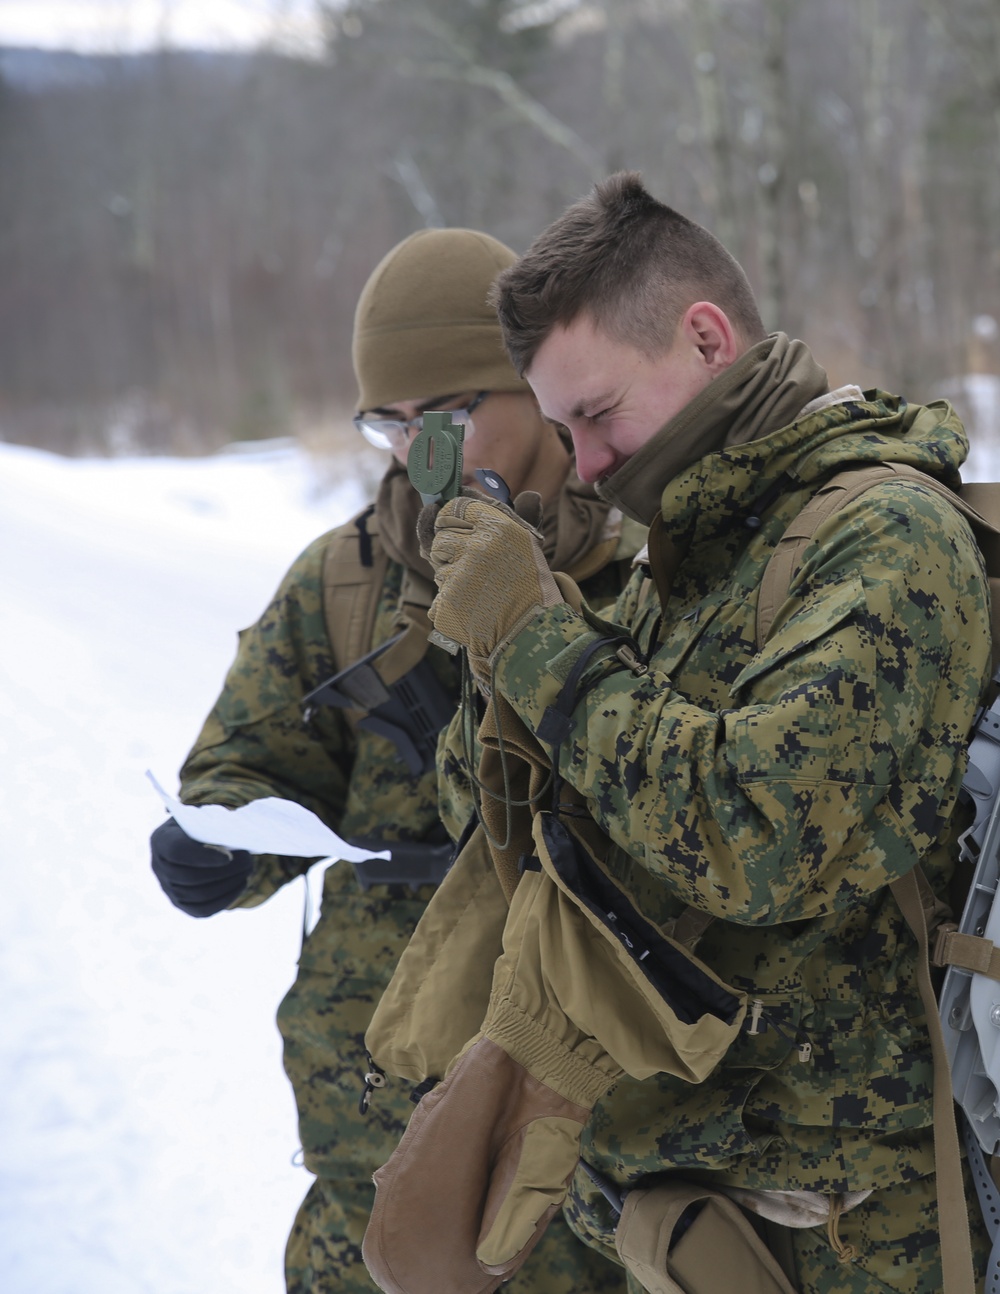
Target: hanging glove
column 491, row 573
column 488, row 1154
column 199, row 879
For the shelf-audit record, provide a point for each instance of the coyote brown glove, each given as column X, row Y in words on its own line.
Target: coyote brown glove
column 488, row 1153
column 491, row 574
column 482, row 1168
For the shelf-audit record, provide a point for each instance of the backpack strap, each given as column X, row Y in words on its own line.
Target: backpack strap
column 919, row 906
column 787, row 556
column 355, row 566
column 978, row 503
column 916, row 901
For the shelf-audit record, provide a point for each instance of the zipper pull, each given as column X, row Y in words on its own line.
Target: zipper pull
column 756, row 1011
column 374, row 1079
column 805, row 1051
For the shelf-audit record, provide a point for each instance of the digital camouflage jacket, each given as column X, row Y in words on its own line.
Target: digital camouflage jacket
column 778, row 789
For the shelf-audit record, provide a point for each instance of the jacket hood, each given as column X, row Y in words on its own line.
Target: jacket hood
column 881, row 429
column 733, row 484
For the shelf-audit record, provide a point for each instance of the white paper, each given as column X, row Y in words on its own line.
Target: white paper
column 314, row 895
column 268, row 826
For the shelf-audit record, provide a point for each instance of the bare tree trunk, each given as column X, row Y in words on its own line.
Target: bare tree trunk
column 703, row 21
column 772, row 172
column 616, row 20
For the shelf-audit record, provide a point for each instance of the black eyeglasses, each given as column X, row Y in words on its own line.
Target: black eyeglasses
column 394, row 433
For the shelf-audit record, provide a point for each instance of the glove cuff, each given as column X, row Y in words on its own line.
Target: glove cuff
column 582, row 1074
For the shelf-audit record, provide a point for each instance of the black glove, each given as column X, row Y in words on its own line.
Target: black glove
column 199, row 879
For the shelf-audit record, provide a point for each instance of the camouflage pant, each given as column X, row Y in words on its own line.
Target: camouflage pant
column 345, row 965
column 895, row 1243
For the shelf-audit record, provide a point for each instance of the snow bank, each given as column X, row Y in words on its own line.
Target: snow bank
column 146, row 1124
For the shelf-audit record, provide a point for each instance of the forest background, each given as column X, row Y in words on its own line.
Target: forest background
column 183, row 235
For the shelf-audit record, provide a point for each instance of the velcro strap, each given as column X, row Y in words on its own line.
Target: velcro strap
column 967, row 952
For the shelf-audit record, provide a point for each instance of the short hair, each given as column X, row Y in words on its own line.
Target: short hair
column 628, row 261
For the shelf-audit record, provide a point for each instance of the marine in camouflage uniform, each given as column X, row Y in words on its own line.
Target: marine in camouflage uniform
column 774, row 788
column 256, row 743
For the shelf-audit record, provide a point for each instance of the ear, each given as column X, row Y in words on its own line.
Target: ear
column 708, row 329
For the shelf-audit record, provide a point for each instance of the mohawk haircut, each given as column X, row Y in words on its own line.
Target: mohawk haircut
column 630, row 263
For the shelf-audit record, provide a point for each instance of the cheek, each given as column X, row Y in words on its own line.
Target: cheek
column 492, row 442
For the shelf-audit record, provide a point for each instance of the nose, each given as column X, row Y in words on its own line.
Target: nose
column 593, row 458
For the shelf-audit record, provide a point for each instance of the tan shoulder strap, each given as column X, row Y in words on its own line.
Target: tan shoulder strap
column 917, row 902
column 354, row 571
column 915, row 899
column 787, row 556
column 979, row 504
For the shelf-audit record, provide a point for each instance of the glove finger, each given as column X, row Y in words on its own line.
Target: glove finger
column 528, row 506
column 448, row 546
column 476, row 509
column 203, row 887
column 172, row 843
column 204, row 901
column 451, row 522
column 184, row 874
column 207, row 909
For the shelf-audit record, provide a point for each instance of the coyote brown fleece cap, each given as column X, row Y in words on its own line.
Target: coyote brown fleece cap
column 422, row 327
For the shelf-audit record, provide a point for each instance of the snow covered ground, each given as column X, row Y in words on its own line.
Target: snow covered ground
column 146, row 1126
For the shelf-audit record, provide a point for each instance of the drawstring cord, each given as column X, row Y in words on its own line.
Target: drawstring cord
column 468, row 735
column 846, row 1253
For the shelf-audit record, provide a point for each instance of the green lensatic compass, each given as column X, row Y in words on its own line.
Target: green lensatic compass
column 434, row 463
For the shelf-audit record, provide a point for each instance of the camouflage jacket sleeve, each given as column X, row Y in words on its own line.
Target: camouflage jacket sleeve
column 254, row 743
column 775, row 785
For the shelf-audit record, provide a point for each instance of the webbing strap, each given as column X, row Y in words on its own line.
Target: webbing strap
column 354, row 574
column 967, row 952
column 989, row 1203
column 953, row 1214
column 983, row 515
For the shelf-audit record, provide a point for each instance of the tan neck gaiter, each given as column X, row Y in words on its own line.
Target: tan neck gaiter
column 765, row 389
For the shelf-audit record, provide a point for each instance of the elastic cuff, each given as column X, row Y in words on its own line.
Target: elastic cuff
column 579, row 1079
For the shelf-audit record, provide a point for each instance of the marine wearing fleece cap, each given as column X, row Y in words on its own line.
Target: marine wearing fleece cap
column 423, row 331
